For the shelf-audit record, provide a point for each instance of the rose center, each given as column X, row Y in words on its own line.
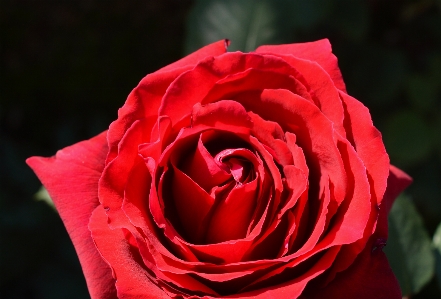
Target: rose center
column 239, row 167
column 213, row 190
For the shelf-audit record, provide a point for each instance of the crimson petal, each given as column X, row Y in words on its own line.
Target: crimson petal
column 319, row 51
column 71, row 178
column 132, row 281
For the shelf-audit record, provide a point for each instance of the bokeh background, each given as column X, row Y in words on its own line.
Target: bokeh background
column 67, row 66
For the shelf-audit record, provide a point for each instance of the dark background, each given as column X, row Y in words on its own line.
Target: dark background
column 67, row 66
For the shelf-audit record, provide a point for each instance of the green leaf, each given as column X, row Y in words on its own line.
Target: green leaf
column 409, row 247
column 437, row 245
column 246, row 23
column 43, row 195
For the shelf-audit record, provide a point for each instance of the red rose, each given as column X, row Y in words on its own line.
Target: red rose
column 232, row 175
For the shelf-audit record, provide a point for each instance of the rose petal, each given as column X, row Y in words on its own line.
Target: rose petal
column 319, row 51
column 367, row 141
column 225, row 115
column 136, row 194
column 115, row 174
column 299, row 159
column 256, row 79
column 296, row 183
column 311, row 227
column 314, row 132
column 323, row 92
column 293, row 288
column 71, row 178
column 370, row 276
column 192, row 204
column 145, row 99
column 398, row 181
column 159, row 139
column 351, row 220
column 187, row 89
column 201, row 167
column 359, row 212
column 271, row 134
column 132, row 281
column 232, row 214
column 142, row 103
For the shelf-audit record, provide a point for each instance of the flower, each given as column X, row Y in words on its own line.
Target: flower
column 238, row 175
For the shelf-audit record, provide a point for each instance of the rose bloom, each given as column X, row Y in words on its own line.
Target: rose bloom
column 232, row 175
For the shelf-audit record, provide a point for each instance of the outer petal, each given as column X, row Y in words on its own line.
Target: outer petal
column 193, row 86
column 133, row 281
column 71, row 178
column 319, row 51
column 368, row 143
column 145, row 99
column 370, row 277
column 398, row 181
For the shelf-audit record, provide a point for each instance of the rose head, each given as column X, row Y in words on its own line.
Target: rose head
column 232, row 175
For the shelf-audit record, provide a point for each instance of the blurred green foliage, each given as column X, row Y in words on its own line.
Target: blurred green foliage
column 437, row 245
column 43, row 195
column 66, row 67
column 409, row 247
column 247, row 23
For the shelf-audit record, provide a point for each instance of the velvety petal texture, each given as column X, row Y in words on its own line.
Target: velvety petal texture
column 71, row 178
column 233, row 175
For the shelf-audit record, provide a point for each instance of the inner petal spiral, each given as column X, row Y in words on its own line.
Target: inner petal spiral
column 217, row 185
